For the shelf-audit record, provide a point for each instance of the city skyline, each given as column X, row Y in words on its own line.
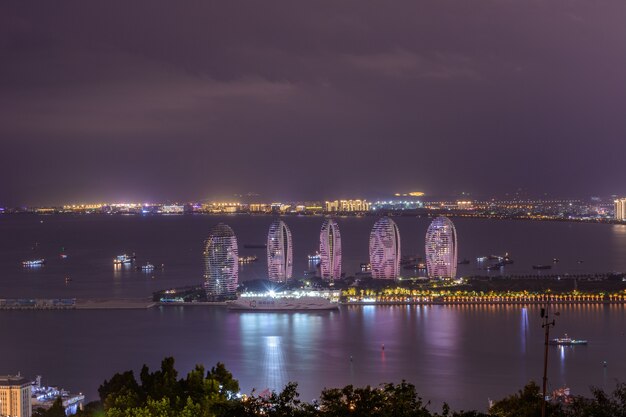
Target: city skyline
column 325, row 204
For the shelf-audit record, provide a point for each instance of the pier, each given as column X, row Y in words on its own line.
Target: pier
column 74, row 304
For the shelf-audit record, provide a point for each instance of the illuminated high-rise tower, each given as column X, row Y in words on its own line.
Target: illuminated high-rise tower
column 441, row 248
column 385, row 249
column 330, row 250
column 221, row 263
column 620, row 209
column 279, row 252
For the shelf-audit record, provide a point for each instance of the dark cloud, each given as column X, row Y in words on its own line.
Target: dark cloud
column 185, row 100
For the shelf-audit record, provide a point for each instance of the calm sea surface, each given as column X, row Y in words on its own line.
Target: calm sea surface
column 461, row 354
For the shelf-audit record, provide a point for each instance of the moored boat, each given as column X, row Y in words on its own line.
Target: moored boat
column 147, row 267
column 34, row 262
column 566, row 341
column 248, row 259
column 123, row 259
column 315, row 257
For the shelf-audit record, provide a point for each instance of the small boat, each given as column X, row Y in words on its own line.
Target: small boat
column 315, row 257
column 555, row 260
column 542, row 266
column 566, row 341
column 34, row 262
column 147, row 267
column 248, row 259
column 63, row 255
column 123, row 259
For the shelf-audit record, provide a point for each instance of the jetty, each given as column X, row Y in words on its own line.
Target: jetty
column 74, row 304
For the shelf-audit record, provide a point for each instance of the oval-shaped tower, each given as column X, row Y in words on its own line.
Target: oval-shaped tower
column 330, row 250
column 221, row 263
column 441, row 248
column 385, row 249
column 279, row 252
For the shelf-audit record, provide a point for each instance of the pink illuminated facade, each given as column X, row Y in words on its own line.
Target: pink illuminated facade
column 279, row 252
column 385, row 249
column 441, row 249
column 330, row 250
column 221, row 263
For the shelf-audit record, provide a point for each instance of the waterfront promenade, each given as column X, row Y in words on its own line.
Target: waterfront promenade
column 138, row 304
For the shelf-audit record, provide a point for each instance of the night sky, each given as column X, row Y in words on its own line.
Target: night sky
column 189, row 100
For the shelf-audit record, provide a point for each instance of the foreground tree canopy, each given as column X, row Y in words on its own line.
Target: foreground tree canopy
column 215, row 393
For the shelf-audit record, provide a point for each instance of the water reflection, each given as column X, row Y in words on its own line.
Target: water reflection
column 443, row 334
column 442, row 349
column 120, row 270
column 273, row 366
column 618, row 247
column 270, row 343
column 524, row 329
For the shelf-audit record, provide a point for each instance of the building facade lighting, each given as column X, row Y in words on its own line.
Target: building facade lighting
column 330, row 250
column 441, row 249
column 385, row 249
column 279, row 252
column 221, row 261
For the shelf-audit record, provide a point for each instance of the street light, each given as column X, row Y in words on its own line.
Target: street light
column 545, row 315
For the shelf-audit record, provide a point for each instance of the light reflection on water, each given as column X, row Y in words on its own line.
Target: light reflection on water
column 524, row 329
column 273, row 365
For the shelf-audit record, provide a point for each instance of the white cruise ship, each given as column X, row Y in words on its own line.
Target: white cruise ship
column 288, row 300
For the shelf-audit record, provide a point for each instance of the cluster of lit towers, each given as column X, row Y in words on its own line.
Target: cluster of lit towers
column 222, row 267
